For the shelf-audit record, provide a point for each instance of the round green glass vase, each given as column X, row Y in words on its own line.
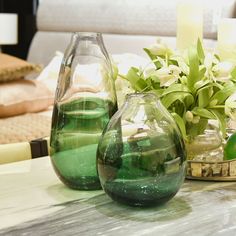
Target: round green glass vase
column 141, row 156
column 84, row 103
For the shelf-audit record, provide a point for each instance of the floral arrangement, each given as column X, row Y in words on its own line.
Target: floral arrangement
column 194, row 86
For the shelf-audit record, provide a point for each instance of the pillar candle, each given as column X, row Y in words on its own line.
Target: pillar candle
column 189, row 23
column 226, row 43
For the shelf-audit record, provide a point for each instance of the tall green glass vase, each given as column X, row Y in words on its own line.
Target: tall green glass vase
column 84, row 103
column 141, row 156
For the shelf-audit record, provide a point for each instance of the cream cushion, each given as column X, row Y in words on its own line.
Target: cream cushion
column 24, row 96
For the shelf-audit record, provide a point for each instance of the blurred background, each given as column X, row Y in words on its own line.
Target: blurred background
column 26, row 11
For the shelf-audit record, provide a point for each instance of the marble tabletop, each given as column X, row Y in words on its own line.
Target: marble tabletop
column 34, row 202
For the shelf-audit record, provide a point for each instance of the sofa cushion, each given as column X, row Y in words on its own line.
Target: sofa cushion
column 12, row 68
column 147, row 17
column 23, row 96
column 114, row 43
column 24, row 128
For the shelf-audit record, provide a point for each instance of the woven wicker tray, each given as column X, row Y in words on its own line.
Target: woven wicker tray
column 212, row 171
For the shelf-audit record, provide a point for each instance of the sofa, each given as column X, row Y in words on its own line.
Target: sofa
column 127, row 27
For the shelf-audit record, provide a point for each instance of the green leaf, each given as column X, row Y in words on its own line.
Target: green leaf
column 201, row 83
column 196, row 129
column 193, row 67
column 217, row 107
column 155, row 82
column 177, row 107
column 209, row 85
column 233, row 73
column 203, row 97
column 135, row 79
column 148, row 81
column 173, row 62
column 115, row 71
column 220, row 116
column 200, row 50
column 180, row 122
column 202, row 73
column 229, row 83
column 204, row 94
column 217, row 57
column 198, row 111
column 223, row 94
column 158, row 92
column 170, row 98
column 176, row 88
column 153, row 58
column 189, row 101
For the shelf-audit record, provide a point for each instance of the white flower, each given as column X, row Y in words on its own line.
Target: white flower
column 181, row 63
column 222, row 70
column 167, row 75
column 149, row 72
column 210, row 60
column 160, row 49
column 184, row 67
column 175, row 70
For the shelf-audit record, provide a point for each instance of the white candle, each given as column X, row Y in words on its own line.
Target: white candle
column 189, row 24
column 226, row 44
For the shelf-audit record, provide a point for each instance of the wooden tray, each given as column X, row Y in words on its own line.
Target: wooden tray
column 212, row 171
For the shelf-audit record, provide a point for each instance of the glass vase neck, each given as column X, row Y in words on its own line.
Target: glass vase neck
column 88, row 43
column 141, row 98
column 86, row 35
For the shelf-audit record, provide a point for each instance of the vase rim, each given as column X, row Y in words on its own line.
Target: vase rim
column 86, row 34
column 141, row 95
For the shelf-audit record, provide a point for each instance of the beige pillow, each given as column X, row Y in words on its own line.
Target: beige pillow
column 24, row 128
column 23, row 96
column 12, row 68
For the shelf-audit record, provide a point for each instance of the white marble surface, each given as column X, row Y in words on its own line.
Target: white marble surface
column 34, row 202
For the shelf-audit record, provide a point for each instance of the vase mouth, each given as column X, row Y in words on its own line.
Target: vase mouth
column 86, row 34
column 142, row 96
column 134, row 99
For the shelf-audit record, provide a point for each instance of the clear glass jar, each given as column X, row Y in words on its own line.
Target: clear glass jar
column 84, row 103
column 208, row 146
column 141, row 155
